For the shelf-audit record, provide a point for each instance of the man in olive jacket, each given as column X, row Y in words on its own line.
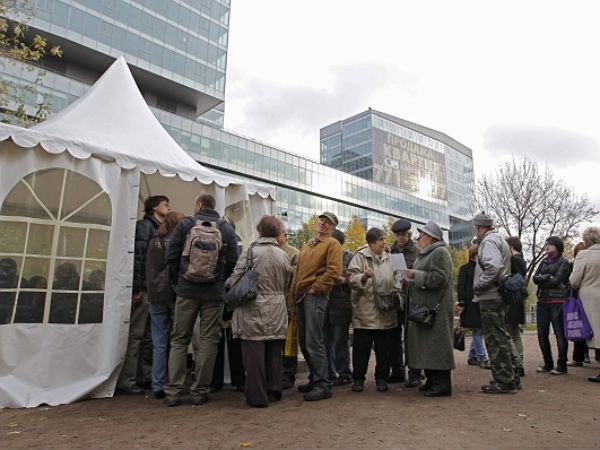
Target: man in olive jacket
column 319, row 267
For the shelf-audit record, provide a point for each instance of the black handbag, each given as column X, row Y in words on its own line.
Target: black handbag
column 384, row 302
column 422, row 315
column 245, row 290
column 459, row 338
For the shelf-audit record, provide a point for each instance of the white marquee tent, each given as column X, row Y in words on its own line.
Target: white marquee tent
column 70, row 193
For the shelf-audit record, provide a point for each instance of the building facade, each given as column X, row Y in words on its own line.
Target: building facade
column 177, row 50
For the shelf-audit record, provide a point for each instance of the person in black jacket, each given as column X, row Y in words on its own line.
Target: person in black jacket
column 470, row 317
column 193, row 298
column 515, row 313
column 137, row 366
column 552, row 279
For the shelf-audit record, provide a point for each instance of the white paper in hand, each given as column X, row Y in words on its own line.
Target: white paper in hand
column 400, row 264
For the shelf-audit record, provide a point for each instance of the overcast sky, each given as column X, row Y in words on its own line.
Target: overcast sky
column 504, row 78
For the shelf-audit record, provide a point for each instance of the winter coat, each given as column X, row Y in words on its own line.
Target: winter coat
column 159, row 284
column 365, row 314
column 470, row 317
column 340, row 304
column 266, row 317
column 431, row 347
column 178, row 264
column 515, row 313
column 586, row 277
column 145, row 229
column 552, row 279
column 493, row 264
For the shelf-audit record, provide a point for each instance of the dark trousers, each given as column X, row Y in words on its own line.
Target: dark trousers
column 310, row 317
column 290, row 366
column 264, row 372
column 338, row 349
column 363, row 341
column 580, row 349
column 397, row 348
column 439, row 380
column 236, row 366
column 552, row 313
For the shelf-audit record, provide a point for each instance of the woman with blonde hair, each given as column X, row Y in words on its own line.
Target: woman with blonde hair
column 586, row 278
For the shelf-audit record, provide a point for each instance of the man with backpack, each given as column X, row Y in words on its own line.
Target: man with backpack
column 201, row 255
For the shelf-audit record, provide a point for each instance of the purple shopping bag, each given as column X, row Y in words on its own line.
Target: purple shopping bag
column 577, row 326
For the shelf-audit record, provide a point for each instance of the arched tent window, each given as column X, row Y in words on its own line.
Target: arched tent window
column 54, row 235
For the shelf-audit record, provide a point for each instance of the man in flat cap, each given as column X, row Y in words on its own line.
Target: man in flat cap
column 410, row 249
column 319, row 267
column 492, row 266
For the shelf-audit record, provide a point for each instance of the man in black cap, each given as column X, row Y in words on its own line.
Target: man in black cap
column 405, row 245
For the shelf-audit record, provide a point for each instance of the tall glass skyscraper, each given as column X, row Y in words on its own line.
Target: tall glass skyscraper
column 177, row 51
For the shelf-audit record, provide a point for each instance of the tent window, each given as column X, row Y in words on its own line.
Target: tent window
column 54, row 235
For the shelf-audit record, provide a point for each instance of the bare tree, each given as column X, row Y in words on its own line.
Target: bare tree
column 532, row 204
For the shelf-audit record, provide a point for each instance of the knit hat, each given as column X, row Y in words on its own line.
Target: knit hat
column 483, row 220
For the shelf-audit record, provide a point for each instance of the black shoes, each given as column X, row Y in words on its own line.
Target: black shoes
column 358, row 385
column 133, row 390
column 473, row 361
column 412, row 382
column 172, row 401
column 287, row 383
column 397, row 377
column 306, row 388
column 200, row 399
column 494, row 388
column 317, row 393
column 544, row 369
column 559, row 370
column 437, row 393
column 595, row 379
column 341, row 381
column 159, row 394
column 381, row 385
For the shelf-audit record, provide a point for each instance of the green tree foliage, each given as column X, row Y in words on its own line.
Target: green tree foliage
column 17, row 45
column 355, row 234
column 460, row 256
column 306, row 232
column 387, row 227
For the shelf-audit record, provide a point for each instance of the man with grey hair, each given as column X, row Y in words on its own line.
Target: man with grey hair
column 492, row 266
column 198, row 295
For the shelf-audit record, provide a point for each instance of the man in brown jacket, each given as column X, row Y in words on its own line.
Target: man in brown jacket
column 319, row 266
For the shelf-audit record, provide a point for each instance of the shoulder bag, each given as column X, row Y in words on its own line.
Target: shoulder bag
column 384, row 302
column 245, row 290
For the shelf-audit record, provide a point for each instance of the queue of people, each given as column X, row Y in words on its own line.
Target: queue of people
column 398, row 301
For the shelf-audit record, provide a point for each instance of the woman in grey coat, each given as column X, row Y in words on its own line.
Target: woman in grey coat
column 262, row 324
column 430, row 348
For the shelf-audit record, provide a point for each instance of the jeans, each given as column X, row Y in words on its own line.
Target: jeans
column 477, row 350
column 310, row 316
column 338, row 349
column 552, row 313
column 161, row 322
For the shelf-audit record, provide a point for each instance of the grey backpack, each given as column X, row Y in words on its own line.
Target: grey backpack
column 203, row 247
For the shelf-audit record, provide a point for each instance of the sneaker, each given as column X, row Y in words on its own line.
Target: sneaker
column 494, row 388
column 306, row 388
column 543, row 369
column 172, row 401
column 133, row 390
column 587, row 359
column 575, row 363
column 485, row 365
column 559, row 371
column 198, row 400
column 358, row 386
column 341, row 381
column 472, row 362
column 317, row 393
column 381, row 385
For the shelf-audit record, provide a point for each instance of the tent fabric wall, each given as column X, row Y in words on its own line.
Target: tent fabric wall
column 61, row 363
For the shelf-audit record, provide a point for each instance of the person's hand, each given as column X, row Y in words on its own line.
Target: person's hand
column 342, row 280
column 136, row 298
column 410, row 274
column 368, row 273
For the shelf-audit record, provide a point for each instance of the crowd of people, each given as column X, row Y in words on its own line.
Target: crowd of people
column 398, row 301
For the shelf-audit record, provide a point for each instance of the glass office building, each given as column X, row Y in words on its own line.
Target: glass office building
column 303, row 186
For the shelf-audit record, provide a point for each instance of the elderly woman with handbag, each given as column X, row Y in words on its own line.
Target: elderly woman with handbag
column 372, row 278
column 261, row 324
column 430, row 317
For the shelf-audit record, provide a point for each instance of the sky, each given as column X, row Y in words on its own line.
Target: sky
column 506, row 79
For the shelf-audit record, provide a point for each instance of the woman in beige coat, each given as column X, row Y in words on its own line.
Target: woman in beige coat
column 262, row 324
column 371, row 265
column 586, row 278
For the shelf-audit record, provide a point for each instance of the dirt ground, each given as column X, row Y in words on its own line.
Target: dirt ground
column 550, row 412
